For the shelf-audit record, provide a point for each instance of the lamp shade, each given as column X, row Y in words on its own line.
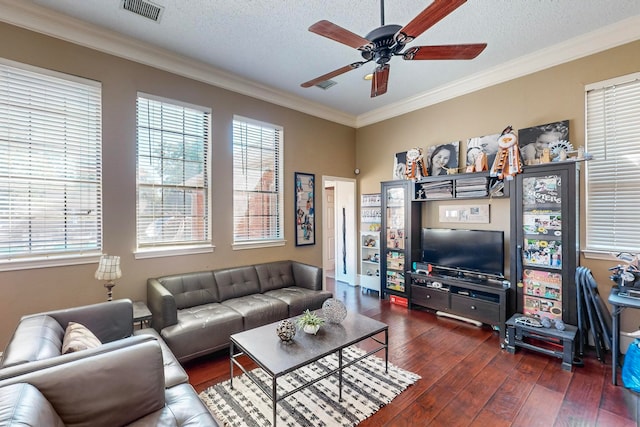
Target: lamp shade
column 108, row 268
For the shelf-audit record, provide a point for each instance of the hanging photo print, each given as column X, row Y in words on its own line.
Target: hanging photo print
column 305, row 201
column 443, row 159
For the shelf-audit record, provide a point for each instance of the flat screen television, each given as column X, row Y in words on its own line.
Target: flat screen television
column 464, row 251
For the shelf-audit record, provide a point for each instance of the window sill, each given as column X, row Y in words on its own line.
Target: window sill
column 592, row 254
column 172, row 251
column 48, row 261
column 258, row 245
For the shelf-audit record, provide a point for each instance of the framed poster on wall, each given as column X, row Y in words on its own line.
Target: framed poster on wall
column 305, row 209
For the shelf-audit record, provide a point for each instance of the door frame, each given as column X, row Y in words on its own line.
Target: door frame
column 351, row 227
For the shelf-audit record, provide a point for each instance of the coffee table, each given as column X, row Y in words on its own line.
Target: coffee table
column 278, row 358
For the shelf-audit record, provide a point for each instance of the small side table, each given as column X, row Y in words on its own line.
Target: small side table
column 618, row 303
column 141, row 313
column 566, row 338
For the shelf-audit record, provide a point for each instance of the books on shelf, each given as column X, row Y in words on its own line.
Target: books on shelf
column 436, row 190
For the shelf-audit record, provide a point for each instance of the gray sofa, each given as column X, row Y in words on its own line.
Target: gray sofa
column 196, row 313
column 122, row 385
column 38, row 337
column 131, row 378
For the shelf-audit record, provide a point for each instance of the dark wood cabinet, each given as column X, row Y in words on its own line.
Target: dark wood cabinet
column 484, row 301
column 400, row 237
column 544, row 240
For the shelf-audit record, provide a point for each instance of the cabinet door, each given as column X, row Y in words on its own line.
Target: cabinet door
column 546, row 242
column 394, row 235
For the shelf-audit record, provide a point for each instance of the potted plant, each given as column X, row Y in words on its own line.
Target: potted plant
column 309, row 322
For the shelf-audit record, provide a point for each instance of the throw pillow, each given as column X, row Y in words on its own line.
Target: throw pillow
column 77, row 337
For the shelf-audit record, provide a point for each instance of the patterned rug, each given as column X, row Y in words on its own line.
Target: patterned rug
column 365, row 389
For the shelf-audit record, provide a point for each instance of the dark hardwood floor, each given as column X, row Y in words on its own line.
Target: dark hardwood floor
column 467, row 379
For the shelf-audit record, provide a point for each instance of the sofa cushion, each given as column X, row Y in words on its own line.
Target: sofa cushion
column 299, row 299
column 183, row 408
column 174, row 373
column 23, row 405
column 77, row 337
column 202, row 330
column 237, row 282
column 275, row 275
column 258, row 309
column 35, row 338
column 192, row 289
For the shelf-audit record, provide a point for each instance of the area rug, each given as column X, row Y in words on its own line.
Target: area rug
column 365, row 389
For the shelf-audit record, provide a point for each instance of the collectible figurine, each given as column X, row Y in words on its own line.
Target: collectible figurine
column 507, row 163
column 416, row 167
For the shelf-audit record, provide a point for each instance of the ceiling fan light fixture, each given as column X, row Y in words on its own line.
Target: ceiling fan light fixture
column 383, row 43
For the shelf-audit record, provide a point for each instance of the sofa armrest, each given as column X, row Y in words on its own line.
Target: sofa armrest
column 307, row 276
column 162, row 305
column 115, row 387
column 35, row 338
column 109, row 321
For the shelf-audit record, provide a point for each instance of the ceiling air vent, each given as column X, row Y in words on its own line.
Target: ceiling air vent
column 326, row 84
column 143, row 8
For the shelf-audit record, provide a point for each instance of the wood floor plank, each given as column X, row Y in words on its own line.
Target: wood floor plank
column 468, row 379
column 531, row 414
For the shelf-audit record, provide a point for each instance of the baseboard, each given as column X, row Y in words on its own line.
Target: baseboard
column 455, row 316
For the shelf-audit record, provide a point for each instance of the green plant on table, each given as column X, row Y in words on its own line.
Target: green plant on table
column 309, row 319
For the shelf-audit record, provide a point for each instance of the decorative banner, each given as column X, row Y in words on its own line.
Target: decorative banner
column 305, row 209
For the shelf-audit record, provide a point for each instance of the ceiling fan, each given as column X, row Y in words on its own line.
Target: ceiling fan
column 386, row 41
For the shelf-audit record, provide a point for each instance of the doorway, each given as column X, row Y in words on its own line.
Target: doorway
column 339, row 251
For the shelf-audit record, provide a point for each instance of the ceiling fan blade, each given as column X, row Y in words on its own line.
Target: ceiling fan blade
column 333, row 73
column 427, row 18
column 335, row 32
column 379, row 81
column 451, row 51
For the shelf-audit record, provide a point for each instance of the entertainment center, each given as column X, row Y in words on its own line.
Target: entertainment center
column 461, row 272
column 471, row 298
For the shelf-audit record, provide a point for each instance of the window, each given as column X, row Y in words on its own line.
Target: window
column 257, row 183
column 173, row 175
column 613, row 178
column 50, row 166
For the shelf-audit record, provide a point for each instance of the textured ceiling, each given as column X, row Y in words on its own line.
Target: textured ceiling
column 267, row 41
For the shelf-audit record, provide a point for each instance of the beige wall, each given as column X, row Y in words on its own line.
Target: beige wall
column 546, row 96
column 312, row 145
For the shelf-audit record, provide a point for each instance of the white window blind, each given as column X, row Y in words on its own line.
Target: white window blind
column 50, row 164
column 613, row 177
column 257, row 181
column 173, row 176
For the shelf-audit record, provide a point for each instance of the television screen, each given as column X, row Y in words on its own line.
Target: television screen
column 476, row 251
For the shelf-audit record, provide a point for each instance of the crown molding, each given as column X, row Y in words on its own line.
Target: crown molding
column 608, row 37
column 54, row 24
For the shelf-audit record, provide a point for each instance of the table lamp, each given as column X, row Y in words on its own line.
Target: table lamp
column 109, row 269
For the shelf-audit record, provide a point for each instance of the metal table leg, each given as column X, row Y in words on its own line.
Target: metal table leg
column 615, row 342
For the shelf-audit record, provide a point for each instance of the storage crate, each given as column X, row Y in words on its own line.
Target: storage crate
column 394, row 299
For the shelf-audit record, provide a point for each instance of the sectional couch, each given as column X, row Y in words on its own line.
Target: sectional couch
column 196, row 313
column 130, row 378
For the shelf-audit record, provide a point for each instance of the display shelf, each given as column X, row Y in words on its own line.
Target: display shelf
column 476, row 185
column 400, row 236
column 544, row 237
column 370, row 220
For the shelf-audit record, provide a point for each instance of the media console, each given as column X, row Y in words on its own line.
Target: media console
column 483, row 300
